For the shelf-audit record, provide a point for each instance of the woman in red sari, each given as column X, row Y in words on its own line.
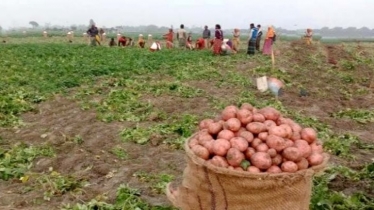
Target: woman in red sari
column 218, row 40
column 200, row 44
column 169, row 39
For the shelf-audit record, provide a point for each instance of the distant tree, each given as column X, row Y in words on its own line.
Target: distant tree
column 73, row 27
column 34, row 24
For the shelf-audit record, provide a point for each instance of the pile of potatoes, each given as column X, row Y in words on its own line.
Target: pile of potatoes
column 257, row 141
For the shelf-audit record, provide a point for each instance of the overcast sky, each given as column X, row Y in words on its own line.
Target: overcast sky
column 289, row 14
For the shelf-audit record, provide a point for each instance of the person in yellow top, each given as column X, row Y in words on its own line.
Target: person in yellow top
column 270, row 38
column 308, row 36
column 141, row 41
column 236, row 40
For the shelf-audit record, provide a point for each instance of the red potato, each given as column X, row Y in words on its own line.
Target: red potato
column 256, row 142
column 249, row 152
column 247, row 136
column 261, row 160
column 245, row 116
column 231, row 168
column 263, row 136
column 225, row 134
column 239, row 143
column 302, row 164
column 203, row 137
column 289, row 143
column 289, row 167
column 253, row 169
column 257, row 117
column 278, row 131
column 287, row 129
column 215, row 128
column 295, row 136
column 269, row 124
column 270, row 113
column 309, row 135
column 246, row 106
column 209, row 146
column 277, row 160
column 254, row 110
column 193, row 142
column 262, row 148
column 238, row 169
column 276, row 142
column 281, row 120
column 229, row 112
column 272, row 152
column 205, row 123
column 232, row 124
column 221, row 146
column 274, row 170
column 234, row 157
column 315, row 159
column 304, row 148
column 200, row 151
column 296, row 127
column 292, row 154
column 256, row 127
column 237, row 133
column 316, row 147
column 219, row 161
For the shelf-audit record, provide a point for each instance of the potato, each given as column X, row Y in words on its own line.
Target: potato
column 203, row 137
column 309, row 135
column 193, row 142
column 221, row 146
column 289, row 143
column 253, row 169
column 289, row 167
column 247, row 136
column 249, row 152
column 315, row 159
column 270, row 113
column 276, row 142
column 205, row 123
column 256, row 127
column 256, row 142
column 292, row 154
column 295, row 136
column 239, row 143
column 238, row 169
column 231, row 168
column 234, row 157
column 262, row 147
column 269, row 124
column 232, row 124
column 263, row 136
column 209, row 146
column 229, row 112
column 274, row 170
column 237, row 133
column 278, row 131
column 219, row 161
column 302, row 164
column 247, row 106
column 257, row 117
column 296, row 127
column 200, row 151
column 277, row 160
column 245, row 116
column 287, row 129
column 316, row 147
column 281, row 120
column 261, row 160
column 304, row 148
column 214, row 128
column 272, row 152
column 225, row 134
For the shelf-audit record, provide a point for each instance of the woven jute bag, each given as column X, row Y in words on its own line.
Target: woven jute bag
column 207, row 187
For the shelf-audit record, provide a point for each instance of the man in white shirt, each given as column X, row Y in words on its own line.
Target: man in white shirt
column 181, row 36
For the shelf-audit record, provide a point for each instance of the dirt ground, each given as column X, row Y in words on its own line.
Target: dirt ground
column 62, row 119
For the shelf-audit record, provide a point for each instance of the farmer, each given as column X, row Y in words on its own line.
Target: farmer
column 169, row 38
column 200, row 43
column 181, row 36
column 308, row 36
column 252, row 39
column 112, row 43
column 93, row 32
column 150, row 39
column 236, row 40
column 122, row 41
column 130, row 43
column 218, row 38
column 141, row 41
column 189, row 42
column 70, row 37
column 270, row 36
column 226, row 47
column 102, row 35
column 206, row 36
column 155, row 46
column 259, row 36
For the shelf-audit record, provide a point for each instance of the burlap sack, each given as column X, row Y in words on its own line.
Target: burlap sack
column 207, row 187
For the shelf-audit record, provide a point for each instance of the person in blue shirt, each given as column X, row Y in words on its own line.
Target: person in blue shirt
column 252, row 40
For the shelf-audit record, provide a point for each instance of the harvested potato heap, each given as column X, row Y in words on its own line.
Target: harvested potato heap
column 257, row 141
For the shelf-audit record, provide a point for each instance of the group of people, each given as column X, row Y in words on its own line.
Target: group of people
column 219, row 44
